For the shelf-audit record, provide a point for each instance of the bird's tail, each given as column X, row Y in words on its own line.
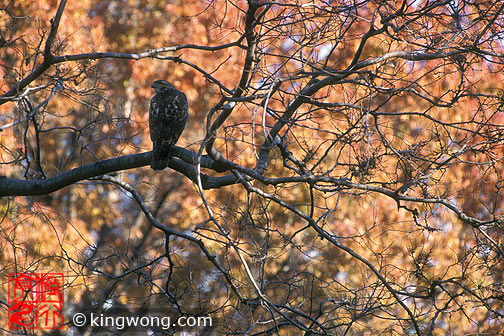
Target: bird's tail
column 160, row 155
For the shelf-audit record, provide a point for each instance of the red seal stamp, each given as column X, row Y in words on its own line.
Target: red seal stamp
column 36, row 300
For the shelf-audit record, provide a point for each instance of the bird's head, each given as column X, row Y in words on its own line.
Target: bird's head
column 161, row 85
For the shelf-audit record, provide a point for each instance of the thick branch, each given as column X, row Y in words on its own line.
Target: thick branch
column 46, row 63
column 18, row 187
column 245, row 76
column 54, row 30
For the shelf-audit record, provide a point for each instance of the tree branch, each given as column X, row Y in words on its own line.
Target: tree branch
column 46, row 63
column 18, row 187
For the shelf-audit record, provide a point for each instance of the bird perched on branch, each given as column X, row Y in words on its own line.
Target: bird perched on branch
column 167, row 119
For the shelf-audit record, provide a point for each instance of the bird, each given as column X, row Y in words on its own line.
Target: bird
column 167, row 118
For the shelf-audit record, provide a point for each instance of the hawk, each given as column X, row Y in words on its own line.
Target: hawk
column 167, row 118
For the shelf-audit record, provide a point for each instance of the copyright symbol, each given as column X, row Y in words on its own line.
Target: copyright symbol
column 79, row 319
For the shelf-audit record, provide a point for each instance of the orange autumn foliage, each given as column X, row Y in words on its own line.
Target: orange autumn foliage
column 363, row 142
